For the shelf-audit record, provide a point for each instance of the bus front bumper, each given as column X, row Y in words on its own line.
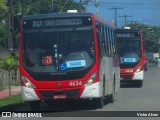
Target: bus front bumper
column 134, row 76
column 90, row 91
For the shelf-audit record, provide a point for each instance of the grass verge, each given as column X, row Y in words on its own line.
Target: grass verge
column 15, row 99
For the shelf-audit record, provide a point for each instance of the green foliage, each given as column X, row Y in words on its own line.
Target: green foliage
column 16, row 99
column 3, row 6
column 31, row 7
column 3, row 26
column 3, row 34
column 3, row 10
column 69, row 6
column 9, row 63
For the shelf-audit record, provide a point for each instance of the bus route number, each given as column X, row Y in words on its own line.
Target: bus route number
column 75, row 83
column 37, row 23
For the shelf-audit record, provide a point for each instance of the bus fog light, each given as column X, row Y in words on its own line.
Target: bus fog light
column 91, row 79
column 139, row 69
column 27, row 82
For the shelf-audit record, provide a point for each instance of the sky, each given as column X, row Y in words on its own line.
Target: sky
column 143, row 11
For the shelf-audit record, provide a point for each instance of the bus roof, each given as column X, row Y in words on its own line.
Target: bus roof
column 128, row 30
column 104, row 21
column 54, row 15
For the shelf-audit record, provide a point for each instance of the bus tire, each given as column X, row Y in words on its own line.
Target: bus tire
column 35, row 105
column 112, row 96
column 101, row 101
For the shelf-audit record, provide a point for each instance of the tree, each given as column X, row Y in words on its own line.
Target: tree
column 3, row 11
column 31, row 7
column 3, row 27
column 3, row 35
column 9, row 63
column 3, row 7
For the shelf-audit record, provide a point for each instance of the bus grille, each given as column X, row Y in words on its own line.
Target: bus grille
column 48, row 95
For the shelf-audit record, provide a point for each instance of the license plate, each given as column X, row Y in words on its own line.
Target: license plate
column 60, row 96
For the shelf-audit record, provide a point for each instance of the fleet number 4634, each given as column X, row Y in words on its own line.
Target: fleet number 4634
column 75, row 83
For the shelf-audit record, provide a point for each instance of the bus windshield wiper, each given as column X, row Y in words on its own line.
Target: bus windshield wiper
column 69, row 37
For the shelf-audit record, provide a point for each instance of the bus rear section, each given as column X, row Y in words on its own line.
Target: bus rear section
column 59, row 59
column 132, row 59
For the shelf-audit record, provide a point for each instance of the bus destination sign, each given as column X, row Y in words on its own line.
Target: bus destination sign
column 52, row 23
column 60, row 22
column 126, row 35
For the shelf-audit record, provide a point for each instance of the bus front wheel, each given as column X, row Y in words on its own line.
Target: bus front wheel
column 112, row 96
column 99, row 102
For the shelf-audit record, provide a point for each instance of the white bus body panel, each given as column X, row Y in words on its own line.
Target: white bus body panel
column 138, row 75
column 108, row 71
column 29, row 94
column 92, row 91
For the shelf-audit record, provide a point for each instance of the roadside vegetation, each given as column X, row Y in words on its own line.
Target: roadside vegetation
column 29, row 7
column 151, row 36
column 15, row 99
column 9, row 64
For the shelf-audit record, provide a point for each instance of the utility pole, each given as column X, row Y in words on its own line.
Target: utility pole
column 96, row 7
column 63, row 6
column 53, row 3
column 81, row 3
column 115, row 10
column 86, row 2
column 125, row 18
column 10, row 23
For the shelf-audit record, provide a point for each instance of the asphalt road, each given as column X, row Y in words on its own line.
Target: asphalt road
column 142, row 99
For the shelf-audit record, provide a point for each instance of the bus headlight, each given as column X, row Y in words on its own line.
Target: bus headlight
column 139, row 69
column 91, row 79
column 27, row 82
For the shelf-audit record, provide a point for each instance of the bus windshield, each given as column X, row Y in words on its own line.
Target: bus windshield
column 58, row 51
column 130, row 52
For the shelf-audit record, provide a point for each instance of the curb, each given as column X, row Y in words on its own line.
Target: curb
column 4, row 94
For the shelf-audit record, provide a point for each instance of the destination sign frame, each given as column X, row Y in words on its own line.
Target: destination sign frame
column 56, row 22
column 127, row 34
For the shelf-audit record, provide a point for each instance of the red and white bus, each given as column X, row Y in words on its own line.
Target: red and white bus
column 132, row 59
column 68, row 56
